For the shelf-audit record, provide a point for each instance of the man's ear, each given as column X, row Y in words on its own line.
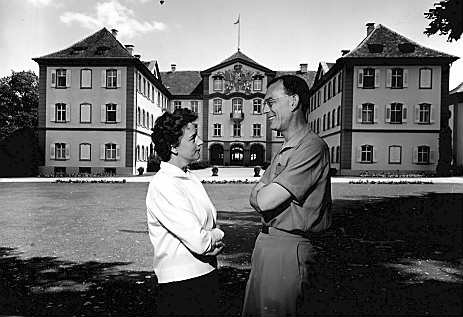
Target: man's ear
column 294, row 102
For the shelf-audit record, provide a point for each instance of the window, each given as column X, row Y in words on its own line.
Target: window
column 328, row 123
column 177, row 104
column 85, row 113
column 423, row 154
column 366, row 154
column 152, row 94
column 237, row 105
column 236, row 129
column 279, row 134
column 85, row 152
column 142, row 153
column 144, row 86
column 334, row 86
column 324, row 122
column 424, row 113
column 340, row 82
column 397, row 78
column 194, row 106
column 395, row 154
column 144, row 118
column 333, row 117
column 217, row 129
column 147, row 120
column 425, row 78
column 60, row 78
column 85, row 78
column 324, row 93
column 396, row 113
column 337, row 154
column 60, row 112
column 332, row 154
column 366, row 78
column 318, row 98
column 110, row 151
column 139, row 83
column 138, row 153
column 257, row 106
column 138, row 116
column 256, row 129
column 338, row 120
column 111, row 112
column 152, row 122
column 318, row 125
column 329, row 90
column 60, row 151
column 257, row 84
column 111, row 78
column 217, row 106
column 159, row 98
column 367, row 113
column 218, row 83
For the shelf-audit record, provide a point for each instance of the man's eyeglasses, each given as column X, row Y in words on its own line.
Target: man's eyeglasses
column 270, row 101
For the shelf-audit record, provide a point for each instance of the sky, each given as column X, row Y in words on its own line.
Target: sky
column 198, row 34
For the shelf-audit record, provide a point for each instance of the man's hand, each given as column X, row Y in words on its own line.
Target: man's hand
column 219, row 245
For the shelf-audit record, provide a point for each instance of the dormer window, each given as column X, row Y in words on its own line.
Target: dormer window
column 217, row 82
column 78, row 49
column 101, row 50
column 406, row 47
column 375, row 48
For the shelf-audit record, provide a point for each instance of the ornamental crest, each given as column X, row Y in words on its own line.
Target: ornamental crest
column 237, row 80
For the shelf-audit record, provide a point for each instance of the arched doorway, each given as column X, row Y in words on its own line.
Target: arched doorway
column 257, row 152
column 236, row 154
column 216, row 154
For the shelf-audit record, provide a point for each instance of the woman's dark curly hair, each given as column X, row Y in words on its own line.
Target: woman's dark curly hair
column 168, row 130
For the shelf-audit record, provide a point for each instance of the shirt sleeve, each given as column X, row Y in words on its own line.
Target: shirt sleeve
column 172, row 209
column 303, row 169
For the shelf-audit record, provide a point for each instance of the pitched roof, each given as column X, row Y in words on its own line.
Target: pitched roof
column 308, row 76
column 237, row 55
column 101, row 44
column 183, row 82
column 383, row 42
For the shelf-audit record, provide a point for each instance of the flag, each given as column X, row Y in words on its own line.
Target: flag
column 238, row 20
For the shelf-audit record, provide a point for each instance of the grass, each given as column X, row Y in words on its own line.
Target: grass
column 83, row 249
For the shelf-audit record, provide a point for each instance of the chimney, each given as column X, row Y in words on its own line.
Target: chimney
column 129, row 48
column 344, row 52
column 137, row 56
column 114, row 32
column 303, row 68
column 370, row 27
column 173, row 67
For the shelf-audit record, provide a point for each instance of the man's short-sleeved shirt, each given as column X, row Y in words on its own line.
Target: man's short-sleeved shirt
column 302, row 167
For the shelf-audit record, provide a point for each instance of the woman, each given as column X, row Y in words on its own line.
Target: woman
column 182, row 222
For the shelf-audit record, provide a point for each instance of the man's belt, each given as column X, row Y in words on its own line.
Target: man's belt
column 264, row 229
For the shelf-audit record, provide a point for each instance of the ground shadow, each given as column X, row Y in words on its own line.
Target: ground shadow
column 394, row 256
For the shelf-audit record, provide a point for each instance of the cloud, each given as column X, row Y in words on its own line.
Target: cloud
column 40, row 3
column 112, row 14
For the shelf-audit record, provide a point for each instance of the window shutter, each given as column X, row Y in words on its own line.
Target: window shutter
column 68, row 112
column 359, row 113
column 388, row 113
column 68, row 78
column 67, row 150
column 405, row 83
column 52, row 113
column 53, row 78
column 360, row 78
column 377, row 77
column 102, row 154
column 389, row 78
column 119, row 77
column 103, row 113
column 103, row 78
column 118, row 152
column 52, row 151
column 432, row 114
column 417, row 113
column 375, row 113
column 404, row 113
column 415, row 154
column 374, row 155
column 432, row 156
column 359, row 154
column 118, row 113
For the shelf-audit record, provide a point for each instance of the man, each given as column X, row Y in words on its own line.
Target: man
column 294, row 200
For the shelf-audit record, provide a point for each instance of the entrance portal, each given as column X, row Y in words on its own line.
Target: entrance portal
column 236, row 154
column 257, row 154
column 216, row 154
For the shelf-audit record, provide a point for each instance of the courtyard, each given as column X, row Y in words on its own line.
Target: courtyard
column 83, row 249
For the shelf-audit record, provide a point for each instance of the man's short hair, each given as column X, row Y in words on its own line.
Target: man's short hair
column 294, row 85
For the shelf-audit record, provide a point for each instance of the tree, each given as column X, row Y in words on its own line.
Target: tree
column 19, row 100
column 447, row 18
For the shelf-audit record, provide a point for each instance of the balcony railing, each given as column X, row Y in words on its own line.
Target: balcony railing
column 237, row 116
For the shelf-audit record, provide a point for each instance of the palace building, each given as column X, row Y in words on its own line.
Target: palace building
column 378, row 107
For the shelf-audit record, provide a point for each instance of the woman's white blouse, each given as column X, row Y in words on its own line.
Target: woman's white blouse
column 181, row 224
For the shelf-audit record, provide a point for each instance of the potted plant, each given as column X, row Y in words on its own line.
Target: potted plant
column 256, row 171
column 215, row 171
column 140, row 170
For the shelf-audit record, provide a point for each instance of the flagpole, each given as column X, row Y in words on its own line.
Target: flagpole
column 239, row 25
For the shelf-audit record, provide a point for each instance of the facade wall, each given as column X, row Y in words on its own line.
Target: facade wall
column 456, row 117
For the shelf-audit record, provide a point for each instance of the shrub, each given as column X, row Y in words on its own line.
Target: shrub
column 257, row 171
column 215, row 171
column 140, row 170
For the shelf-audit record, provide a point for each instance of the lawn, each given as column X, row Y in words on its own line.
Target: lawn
column 83, row 249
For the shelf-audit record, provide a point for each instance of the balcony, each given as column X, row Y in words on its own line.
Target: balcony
column 237, row 116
